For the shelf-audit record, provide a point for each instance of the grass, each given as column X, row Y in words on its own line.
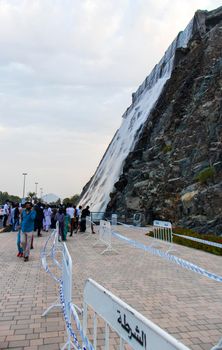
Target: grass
column 195, row 245
column 167, row 148
column 206, row 174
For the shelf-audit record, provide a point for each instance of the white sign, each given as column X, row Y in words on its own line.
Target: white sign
column 114, row 219
column 165, row 224
column 105, row 232
column 88, row 223
column 132, row 327
column 163, row 230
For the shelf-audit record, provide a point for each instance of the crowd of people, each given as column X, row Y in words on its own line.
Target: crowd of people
column 39, row 217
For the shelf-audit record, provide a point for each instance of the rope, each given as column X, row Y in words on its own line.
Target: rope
column 203, row 241
column 181, row 262
column 74, row 314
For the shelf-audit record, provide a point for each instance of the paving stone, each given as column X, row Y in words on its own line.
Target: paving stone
column 18, row 343
column 183, row 303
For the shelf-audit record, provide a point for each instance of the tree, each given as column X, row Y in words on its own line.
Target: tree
column 31, row 195
column 56, row 203
column 4, row 196
column 72, row 200
column 66, row 201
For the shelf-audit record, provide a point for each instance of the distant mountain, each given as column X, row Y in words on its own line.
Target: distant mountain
column 50, row 198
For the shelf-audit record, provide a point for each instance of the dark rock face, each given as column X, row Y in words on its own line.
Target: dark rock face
column 175, row 169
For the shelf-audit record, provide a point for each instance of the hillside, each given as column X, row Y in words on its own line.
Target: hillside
column 173, row 166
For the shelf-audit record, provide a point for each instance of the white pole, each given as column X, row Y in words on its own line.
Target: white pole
column 24, row 174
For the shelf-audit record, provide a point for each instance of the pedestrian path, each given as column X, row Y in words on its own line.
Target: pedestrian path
column 186, row 305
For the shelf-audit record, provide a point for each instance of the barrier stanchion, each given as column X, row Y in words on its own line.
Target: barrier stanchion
column 66, row 290
column 218, row 346
column 90, row 227
column 88, row 224
column 65, row 281
column 114, row 219
column 105, row 236
column 57, row 248
column 132, row 327
column 162, row 231
column 46, row 253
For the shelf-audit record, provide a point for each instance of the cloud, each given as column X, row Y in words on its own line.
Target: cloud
column 68, row 69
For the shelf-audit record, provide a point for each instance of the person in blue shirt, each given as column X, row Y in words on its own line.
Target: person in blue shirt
column 27, row 226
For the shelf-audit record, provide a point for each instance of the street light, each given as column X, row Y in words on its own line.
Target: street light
column 24, row 174
column 36, row 185
column 41, row 192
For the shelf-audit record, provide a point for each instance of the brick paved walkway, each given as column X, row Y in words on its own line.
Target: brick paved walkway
column 185, row 304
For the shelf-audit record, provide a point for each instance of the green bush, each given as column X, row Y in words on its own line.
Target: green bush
column 206, row 174
column 195, row 245
column 167, row 148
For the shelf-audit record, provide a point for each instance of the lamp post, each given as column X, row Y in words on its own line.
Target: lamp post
column 24, row 174
column 36, row 186
column 41, row 192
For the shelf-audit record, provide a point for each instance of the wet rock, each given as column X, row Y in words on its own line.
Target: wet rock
column 182, row 137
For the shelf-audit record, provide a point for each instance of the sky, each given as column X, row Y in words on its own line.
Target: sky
column 68, row 69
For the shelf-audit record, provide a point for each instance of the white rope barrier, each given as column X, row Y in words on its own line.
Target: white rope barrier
column 132, row 226
column 203, row 241
column 74, row 314
column 84, row 338
column 181, row 262
column 44, row 255
column 105, row 237
column 218, row 346
column 62, row 303
column 68, row 307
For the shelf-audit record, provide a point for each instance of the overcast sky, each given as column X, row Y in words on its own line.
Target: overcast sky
column 67, row 72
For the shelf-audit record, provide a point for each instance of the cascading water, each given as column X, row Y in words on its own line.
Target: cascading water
column 144, row 99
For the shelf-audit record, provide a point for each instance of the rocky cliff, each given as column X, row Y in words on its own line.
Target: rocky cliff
column 173, row 170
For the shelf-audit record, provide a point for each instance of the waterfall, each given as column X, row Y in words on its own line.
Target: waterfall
column 144, row 100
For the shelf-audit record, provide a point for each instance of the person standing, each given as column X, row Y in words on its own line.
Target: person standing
column 12, row 215
column 47, row 218
column 70, row 210
column 67, row 226
column 27, row 226
column 16, row 217
column 5, row 213
column 53, row 218
column 60, row 217
column 78, row 217
column 84, row 214
column 9, row 221
column 39, row 218
column 19, row 245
